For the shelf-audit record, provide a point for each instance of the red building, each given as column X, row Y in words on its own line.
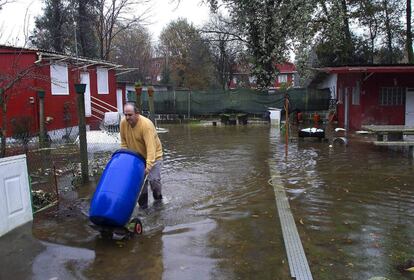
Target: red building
column 376, row 94
column 285, row 76
column 25, row 71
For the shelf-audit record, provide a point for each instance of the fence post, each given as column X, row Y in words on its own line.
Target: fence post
column 138, row 92
column 80, row 90
column 150, row 91
column 189, row 104
column 41, row 95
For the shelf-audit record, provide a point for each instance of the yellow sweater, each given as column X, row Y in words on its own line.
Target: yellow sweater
column 142, row 138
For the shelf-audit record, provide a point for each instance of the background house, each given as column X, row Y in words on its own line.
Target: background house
column 24, row 71
column 242, row 77
column 375, row 94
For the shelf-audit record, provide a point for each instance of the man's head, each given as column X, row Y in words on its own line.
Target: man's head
column 131, row 113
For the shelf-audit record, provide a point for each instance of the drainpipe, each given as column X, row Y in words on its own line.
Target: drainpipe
column 42, row 134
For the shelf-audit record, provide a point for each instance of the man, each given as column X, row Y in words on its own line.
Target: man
column 139, row 135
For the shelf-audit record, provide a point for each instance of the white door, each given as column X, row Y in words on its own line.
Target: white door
column 119, row 100
column 15, row 200
column 85, row 80
column 409, row 107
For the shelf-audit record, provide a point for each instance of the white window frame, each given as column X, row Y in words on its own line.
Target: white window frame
column 392, row 96
column 102, row 80
column 59, row 79
column 282, row 78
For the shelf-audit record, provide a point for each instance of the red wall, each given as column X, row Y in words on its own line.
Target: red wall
column 18, row 96
column 370, row 111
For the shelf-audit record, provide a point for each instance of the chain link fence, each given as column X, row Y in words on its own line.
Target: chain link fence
column 54, row 163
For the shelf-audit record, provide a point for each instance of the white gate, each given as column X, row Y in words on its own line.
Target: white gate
column 15, row 197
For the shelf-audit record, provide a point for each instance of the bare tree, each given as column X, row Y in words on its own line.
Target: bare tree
column 115, row 16
column 225, row 46
column 133, row 48
column 409, row 39
column 12, row 79
column 4, row 2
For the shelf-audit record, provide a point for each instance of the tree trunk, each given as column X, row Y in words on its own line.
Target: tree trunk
column 56, row 30
column 409, row 34
column 81, row 27
column 389, row 32
column 348, row 39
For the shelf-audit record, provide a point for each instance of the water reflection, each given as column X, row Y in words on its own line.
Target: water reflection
column 352, row 205
column 355, row 208
column 61, row 262
column 186, row 252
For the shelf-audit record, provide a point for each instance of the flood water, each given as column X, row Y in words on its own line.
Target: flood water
column 353, row 208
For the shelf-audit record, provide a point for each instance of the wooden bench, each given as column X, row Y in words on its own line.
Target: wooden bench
column 394, row 143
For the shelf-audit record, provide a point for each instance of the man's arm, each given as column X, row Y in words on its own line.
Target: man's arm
column 150, row 145
column 122, row 133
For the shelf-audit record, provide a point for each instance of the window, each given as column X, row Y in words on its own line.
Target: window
column 252, row 79
column 102, row 76
column 59, row 79
column 391, row 96
column 355, row 94
column 282, row 78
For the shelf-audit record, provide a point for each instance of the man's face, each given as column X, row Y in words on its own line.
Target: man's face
column 130, row 115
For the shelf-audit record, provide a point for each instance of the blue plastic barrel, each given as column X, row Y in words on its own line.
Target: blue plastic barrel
column 116, row 195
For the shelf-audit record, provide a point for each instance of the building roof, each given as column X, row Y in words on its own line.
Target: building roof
column 286, row 68
column 59, row 57
column 395, row 68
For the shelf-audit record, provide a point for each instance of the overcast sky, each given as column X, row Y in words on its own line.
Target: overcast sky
column 12, row 17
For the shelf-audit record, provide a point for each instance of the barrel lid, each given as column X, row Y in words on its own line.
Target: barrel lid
column 126, row 151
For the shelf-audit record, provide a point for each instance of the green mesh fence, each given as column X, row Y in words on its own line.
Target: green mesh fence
column 242, row 100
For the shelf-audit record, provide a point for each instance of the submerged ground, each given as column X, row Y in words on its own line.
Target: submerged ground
column 353, row 207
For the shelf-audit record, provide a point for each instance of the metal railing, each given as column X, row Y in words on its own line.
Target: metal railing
column 101, row 107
